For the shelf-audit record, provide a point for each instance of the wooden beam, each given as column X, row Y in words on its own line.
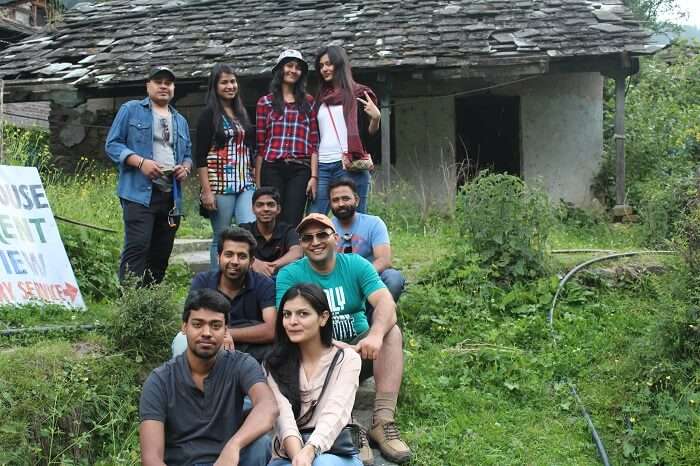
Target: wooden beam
column 385, row 171
column 620, row 139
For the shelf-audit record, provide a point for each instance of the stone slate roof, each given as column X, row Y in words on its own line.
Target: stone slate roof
column 114, row 42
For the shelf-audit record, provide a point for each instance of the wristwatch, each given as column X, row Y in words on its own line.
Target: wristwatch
column 317, row 450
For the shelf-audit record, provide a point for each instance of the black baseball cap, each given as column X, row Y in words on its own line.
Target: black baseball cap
column 160, row 70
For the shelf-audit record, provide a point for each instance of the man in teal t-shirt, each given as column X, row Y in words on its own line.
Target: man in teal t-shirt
column 348, row 281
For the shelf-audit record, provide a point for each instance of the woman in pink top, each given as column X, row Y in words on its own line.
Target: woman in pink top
column 297, row 369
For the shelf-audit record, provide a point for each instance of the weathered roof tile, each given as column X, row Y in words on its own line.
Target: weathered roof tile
column 105, row 43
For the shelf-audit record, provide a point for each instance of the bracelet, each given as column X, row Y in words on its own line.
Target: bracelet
column 141, row 162
column 314, row 176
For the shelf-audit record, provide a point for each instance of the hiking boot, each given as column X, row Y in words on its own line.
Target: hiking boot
column 388, row 438
column 366, row 455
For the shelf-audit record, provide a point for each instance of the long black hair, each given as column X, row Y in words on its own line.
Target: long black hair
column 213, row 104
column 300, row 101
column 285, row 359
column 342, row 74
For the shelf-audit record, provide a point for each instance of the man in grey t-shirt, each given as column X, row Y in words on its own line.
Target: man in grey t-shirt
column 191, row 407
column 163, row 153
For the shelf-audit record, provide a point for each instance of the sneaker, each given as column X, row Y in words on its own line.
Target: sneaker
column 387, row 436
column 366, row 455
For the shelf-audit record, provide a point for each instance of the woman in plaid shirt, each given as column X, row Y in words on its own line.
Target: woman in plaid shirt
column 287, row 137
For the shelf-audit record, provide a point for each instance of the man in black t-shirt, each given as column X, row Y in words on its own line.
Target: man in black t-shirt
column 191, row 407
column 278, row 242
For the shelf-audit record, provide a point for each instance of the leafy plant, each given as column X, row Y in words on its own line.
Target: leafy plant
column 94, row 257
column 507, row 222
column 64, row 404
column 145, row 322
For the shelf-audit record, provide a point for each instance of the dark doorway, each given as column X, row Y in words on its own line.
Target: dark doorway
column 488, row 134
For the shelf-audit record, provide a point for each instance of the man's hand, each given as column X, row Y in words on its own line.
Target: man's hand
column 229, row 456
column 369, row 347
column 228, row 344
column 265, row 268
column 151, row 169
column 305, row 456
column 208, row 200
column 181, row 172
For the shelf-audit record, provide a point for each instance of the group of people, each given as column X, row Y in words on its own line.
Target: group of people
column 296, row 310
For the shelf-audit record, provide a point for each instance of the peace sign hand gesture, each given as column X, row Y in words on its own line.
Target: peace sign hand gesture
column 370, row 107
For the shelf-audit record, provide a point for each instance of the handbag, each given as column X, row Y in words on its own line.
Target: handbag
column 347, row 440
column 350, row 163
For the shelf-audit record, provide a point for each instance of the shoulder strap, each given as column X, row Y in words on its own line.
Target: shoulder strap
column 310, row 413
column 330, row 114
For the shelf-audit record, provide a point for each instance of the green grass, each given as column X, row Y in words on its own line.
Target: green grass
column 90, row 197
column 483, row 384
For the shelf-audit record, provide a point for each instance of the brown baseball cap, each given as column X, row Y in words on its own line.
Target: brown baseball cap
column 315, row 218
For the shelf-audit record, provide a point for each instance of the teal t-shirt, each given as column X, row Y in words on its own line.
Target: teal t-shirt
column 347, row 288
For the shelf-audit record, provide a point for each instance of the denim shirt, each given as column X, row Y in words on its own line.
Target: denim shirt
column 132, row 133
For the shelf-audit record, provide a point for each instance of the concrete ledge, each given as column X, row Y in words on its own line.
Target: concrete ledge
column 190, row 245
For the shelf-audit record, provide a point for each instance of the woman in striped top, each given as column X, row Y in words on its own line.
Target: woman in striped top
column 225, row 151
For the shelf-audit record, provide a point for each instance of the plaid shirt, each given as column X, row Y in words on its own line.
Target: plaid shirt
column 292, row 135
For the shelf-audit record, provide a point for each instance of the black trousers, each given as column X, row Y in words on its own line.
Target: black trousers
column 148, row 238
column 290, row 179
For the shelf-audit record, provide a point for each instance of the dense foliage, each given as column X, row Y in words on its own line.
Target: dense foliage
column 145, row 322
column 507, row 222
column 662, row 149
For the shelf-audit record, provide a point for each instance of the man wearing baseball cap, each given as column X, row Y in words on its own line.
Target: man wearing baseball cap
column 348, row 281
column 149, row 141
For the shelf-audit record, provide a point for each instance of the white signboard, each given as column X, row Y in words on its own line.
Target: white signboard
column 34, row 266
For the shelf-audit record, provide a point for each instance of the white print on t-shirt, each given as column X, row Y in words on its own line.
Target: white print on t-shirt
column 336, row 299
column 343, row 324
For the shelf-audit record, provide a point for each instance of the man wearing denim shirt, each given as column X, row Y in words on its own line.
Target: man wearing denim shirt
column 150, row 143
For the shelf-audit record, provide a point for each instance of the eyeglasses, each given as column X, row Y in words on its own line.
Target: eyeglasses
column 165, row 128
column 322, row 236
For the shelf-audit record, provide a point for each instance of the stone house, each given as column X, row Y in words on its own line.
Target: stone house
column 510, row 85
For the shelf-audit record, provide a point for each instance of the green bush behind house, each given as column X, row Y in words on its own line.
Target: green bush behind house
column 507, row 222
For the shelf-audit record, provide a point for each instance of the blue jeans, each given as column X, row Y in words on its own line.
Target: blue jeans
column 330, row 172
column 239, row 205
column 255, row 454
column 324, row 459
column 394, row 282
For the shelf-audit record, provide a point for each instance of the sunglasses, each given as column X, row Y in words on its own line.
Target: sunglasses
column 322, row 236
column 347, row 237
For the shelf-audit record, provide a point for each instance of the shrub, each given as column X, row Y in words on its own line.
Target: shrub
column 94, row 257
column 663, row 207
column 63, row 404
column 662, row 126
column 507, row 222
column 145, row 322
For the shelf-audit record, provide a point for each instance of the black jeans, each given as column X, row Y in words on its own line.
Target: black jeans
column 290, row 179
column 148, row 238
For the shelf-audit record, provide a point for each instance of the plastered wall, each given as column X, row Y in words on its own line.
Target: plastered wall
column 561, row 131
column 561, row 121
column 424, row 138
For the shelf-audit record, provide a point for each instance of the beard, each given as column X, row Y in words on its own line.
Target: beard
column 345, row 213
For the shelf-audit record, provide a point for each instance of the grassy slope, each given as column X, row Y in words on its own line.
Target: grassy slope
column 502, row 404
